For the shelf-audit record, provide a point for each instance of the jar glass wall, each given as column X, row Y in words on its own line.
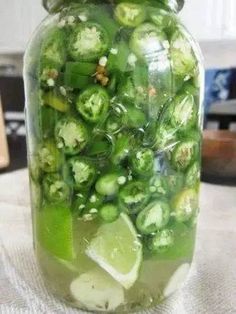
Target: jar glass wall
column 114, row 121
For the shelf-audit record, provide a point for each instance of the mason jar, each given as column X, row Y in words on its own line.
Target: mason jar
column 114, row 122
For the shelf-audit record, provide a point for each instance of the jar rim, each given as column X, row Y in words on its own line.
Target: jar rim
column 53, row 6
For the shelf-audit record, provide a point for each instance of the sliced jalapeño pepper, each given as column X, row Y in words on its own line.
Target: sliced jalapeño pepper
column 82, row 172
column 118, row 57
column 55, row 188
column 153, row 217
column 93, row 103
column 88, row 42
column 130, row 14
column 71, row 135
column 56, row 101
column 185, row 205
column 52, row 57
column 147, row 41
column 133, row 197
column 142, row 162
column 183, row 154
column 109, row 212
column 162, row 241
column 49, row 157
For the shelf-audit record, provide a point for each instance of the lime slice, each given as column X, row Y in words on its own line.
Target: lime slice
column 97, row 291
column 54, row 230
column 117, row 249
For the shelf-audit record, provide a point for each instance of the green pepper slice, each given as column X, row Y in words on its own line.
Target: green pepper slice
column 133, row 117
column 183, row 112
column 142, row 162
column 55, row 189
column 109, row 212
column 108, row 184
column 133, row 197
column 118, row 57
column 56, row 101
column 153, row 217
column 93, row 103
column 123, row 144
column 79, row 74
column 192, row 176
column 163, row 20
column 71, row 135
column 52, row 56
column 102, row 17
column 175, row 182
column 147, row 41
column 183, row 154
column 182, row 56
column 49, row 157
column 82, row 171
column 47, row 120
column 130, row 14
column 185, row 205
column 88, row 42
column 166, row 137
column 162, row 241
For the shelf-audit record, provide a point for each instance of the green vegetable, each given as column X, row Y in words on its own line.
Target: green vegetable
column 55, row 188
column 175, row 182
column 57, row 102
column 118, row 57
column 49, row 157
column 133, row 197
column 122, row 147
column 82, row 68
column 193, row 174
column 163, row 20
column 162, row 241
column 109, row 212
column 130, row 14
column 108, row 184
column 133, row 117
column 102, row 17
column 52, row 56
column 113, row 124
column 147, row 40
column 71, row 135
column 82, row 171
column 101, row 147
column 88, row 41
column 166, row 137
column 47, row 120
column 79, row 74
column 183, row 154
column 153, row 217
column 185, row 205
column 182, row 57
column 183, row 112
column 142, row 161
column 93, row 103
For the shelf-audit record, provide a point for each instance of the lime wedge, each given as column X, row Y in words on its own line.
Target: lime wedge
column 54, row 230
column 97, row 291
column 117, row 249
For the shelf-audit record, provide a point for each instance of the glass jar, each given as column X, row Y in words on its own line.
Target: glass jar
column 114, row 120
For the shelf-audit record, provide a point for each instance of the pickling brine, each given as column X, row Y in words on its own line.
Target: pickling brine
column 114, row 122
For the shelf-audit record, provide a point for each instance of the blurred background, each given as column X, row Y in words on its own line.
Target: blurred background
column 213, row 24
